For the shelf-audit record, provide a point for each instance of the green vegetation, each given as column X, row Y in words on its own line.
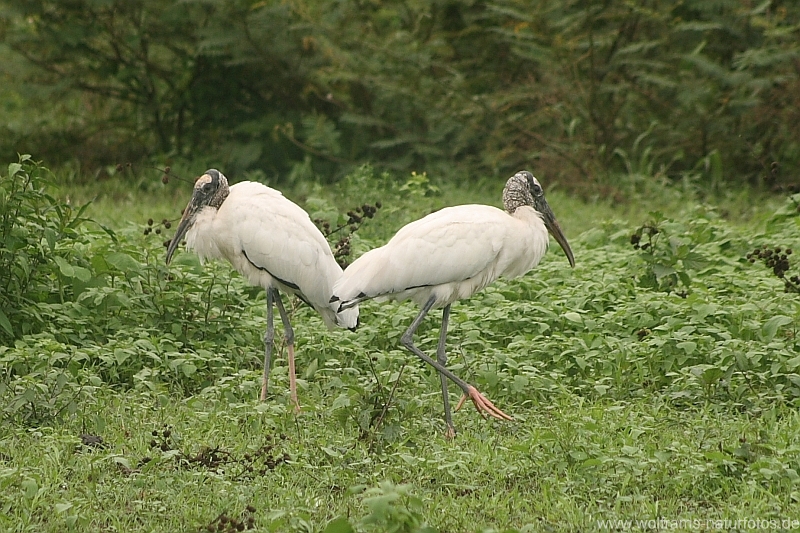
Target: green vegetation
column 660, row 378
column 699, row 90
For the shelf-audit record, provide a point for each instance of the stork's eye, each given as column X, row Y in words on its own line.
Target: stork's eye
column 207, row 187
column 536, row 189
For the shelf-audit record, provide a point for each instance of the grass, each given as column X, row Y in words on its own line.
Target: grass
column 562, row 465
column 133, row 198
column 645, row 384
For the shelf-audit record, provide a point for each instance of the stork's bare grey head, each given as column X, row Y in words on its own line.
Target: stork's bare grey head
column 522, row 189
column 210, row 190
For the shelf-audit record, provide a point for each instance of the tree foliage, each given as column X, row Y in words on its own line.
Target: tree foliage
column 701, row 88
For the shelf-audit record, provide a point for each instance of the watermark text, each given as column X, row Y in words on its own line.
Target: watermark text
column 699, row 524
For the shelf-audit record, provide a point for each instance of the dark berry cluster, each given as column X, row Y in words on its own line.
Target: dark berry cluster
column 636, row 238
column 229, row 524
column 323, row 225
column 355, row 217
column 92, row 441
column 264, row 459
column 341, row 251
column 150, row 229
column 777, row 259
column 162, row 439
column 209, row 457
column 259, row 462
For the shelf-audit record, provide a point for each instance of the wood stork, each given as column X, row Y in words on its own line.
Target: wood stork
column 272, row 242
column 452, row 254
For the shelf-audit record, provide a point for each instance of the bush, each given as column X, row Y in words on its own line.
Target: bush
column 40, row 249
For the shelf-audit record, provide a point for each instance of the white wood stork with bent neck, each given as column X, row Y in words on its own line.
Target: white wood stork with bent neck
column 272, row 242
column 452, row 254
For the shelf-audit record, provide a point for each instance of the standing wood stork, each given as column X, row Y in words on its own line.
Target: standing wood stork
column 272, row 242
column 452, row 254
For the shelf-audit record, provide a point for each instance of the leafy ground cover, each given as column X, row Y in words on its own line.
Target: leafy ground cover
column 656, row 380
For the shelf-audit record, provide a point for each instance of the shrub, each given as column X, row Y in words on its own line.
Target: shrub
column 40, row 249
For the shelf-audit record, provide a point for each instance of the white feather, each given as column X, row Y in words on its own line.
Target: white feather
column 451, row 254
column 273, row 243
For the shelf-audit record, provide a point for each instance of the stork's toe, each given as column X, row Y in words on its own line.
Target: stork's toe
column 483, row 405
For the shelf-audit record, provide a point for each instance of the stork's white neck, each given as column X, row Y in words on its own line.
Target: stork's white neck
column 529, row 215
column 208, row 247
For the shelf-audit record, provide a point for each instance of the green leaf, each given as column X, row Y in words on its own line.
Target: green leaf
column 188, row 369
column 663, row 456
column 83, row 274
column 124, row 262
column 118, row 459
column 770, row 327
column 339, row 525
column 330, row 451
column 63, row 265
column 687, row 346
column 695, row 261
column 767, row 472
column 62, row 507
column 662, row 271
column 13, row 168
column 6, row 323
column 50, row 237
column 520, row 383
column 30, row 488
column 311, row 369
column 120, row 356
column 189, row 260
column 716, row 456
column 573, row 317
column 343, row 400
column 629, row 450
column 711, row 375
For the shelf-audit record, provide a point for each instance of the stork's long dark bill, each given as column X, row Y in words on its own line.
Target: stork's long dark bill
column 183, row 227
column 555, row 230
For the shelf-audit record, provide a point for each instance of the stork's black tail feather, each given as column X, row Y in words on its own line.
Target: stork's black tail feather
column 347, row 304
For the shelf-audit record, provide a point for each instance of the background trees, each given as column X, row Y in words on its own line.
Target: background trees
column 706, row 89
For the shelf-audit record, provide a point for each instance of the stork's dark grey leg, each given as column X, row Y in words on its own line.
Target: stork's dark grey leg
column 482, row 404
column 408, row 341
column 441, row 357
column 288, row 334
column 269, row 336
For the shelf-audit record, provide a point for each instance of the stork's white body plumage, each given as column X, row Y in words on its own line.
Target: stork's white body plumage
column 450, row 254
column 273, row 243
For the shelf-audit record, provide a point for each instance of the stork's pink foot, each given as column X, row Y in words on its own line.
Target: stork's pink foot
column 482, row 404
